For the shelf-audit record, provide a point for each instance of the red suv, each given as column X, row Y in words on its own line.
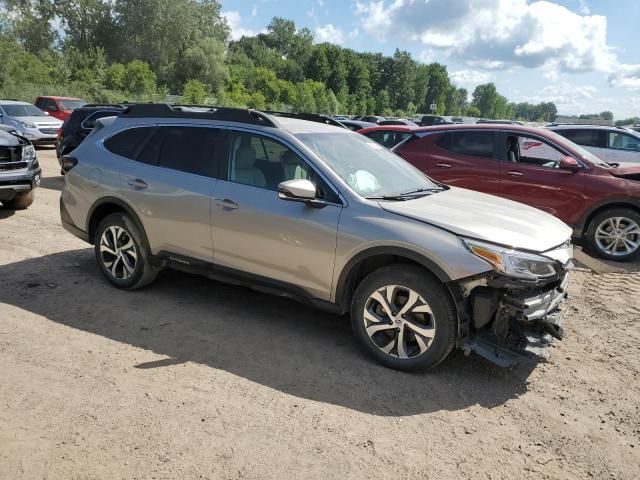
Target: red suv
column 538, row 167
column 58, row 107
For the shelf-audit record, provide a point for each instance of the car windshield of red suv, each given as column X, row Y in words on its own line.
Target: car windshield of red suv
column 71, row 104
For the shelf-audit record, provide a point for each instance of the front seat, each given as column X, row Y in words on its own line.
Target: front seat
column 244, row 168
column 292, row 167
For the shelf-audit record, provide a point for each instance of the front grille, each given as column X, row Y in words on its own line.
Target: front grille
column 11, row 159
column 48, row 131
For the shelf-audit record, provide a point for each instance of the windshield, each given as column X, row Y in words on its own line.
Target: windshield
column 22, row 110
column 584, row 154
column 367, row 167
column 71, row 104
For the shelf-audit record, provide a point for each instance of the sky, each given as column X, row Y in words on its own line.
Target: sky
column 579, row 54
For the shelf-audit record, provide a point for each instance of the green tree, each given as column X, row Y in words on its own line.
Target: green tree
column 194, row 91
column 203, row 61
column 484, row 99
column 115, row 76
column 139, row 78
column 318, row 65
column 606, row 115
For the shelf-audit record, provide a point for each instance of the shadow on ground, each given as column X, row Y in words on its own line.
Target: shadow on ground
column 269, row 340
column 6, row 212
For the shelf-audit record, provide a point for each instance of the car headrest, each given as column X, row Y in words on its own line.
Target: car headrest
column 245, row 157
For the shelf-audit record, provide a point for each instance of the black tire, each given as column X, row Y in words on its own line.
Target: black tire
column 142, row 273
column 21, row 200
column 596, row 247
column 436, row 296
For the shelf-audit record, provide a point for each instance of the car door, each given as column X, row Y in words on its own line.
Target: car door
column 467, row 159
column 624, row 147
column 530, row 174
column 258, row 233
column 170, row 184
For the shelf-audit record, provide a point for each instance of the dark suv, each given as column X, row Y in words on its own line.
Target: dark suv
column 80, row 123
column 538, row 167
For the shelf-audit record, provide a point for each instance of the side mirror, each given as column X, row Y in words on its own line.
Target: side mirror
column 299, row 190
column 570, row 163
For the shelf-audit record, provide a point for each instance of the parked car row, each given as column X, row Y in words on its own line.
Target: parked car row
column 291, row 205
column 540, row 167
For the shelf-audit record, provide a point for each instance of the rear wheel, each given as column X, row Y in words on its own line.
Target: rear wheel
column 21, row 200
column 121, row 253
column 404, row 317
column 615, row 234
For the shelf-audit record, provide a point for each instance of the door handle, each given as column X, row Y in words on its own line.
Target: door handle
column 443, row 165
column 226, row 203
column 513, row 173
column 137, row 183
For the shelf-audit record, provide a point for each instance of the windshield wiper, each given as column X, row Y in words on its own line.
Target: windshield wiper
column 408, row 195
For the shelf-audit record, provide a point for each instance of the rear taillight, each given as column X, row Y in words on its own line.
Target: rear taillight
column 68, row 162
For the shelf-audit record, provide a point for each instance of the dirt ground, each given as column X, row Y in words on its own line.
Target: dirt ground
column 193, row 379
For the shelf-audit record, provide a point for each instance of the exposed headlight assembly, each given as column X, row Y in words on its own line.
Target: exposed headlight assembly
column 513, row 263
column 28, row 153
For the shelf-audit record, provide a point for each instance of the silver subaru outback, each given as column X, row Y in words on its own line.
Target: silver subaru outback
column 314, row 212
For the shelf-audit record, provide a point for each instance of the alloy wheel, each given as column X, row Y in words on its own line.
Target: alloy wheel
column 618, row 236
column 399, row 321
column 118, row 252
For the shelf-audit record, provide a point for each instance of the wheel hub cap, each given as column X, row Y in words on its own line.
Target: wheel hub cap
column 618, row 236
column 118, row 252
column 399, row 321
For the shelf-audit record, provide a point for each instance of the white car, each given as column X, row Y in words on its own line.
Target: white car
column 29, row 121
column 611, row 144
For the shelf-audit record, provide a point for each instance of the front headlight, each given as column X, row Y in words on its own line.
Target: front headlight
column 513, row 263
column 27, row 124
column 28, row 153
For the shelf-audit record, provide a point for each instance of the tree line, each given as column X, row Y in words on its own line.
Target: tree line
column 143, row 50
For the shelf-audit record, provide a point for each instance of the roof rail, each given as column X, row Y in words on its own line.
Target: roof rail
column 311, row 117
column 207, row 112
column 115, row 105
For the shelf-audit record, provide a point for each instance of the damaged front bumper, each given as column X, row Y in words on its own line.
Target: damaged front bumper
column 511, row 323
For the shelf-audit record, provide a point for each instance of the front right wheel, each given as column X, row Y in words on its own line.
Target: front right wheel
column 404, row 317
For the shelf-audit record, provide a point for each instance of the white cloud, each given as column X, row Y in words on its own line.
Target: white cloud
column 583, row 7
column 234, row 20
column 354, row 33
column 469, row 78
column 254, row 11
column 627, row 76
column 569, row 98
column 495, row 34
column 329, row 33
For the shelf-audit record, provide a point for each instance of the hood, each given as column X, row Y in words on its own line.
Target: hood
column 630, row 171
column 486, row 217
column 40, row 120
column 7, row 139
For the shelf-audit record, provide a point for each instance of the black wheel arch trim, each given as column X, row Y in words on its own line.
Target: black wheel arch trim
column 125, row 207
column 610, row 202
column 372, row 252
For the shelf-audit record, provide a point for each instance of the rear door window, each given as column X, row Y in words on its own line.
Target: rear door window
column 186, row 149
column 474, row 144
column 129, row 142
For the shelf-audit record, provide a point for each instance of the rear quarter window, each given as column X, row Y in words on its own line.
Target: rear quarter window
column 129, row 142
